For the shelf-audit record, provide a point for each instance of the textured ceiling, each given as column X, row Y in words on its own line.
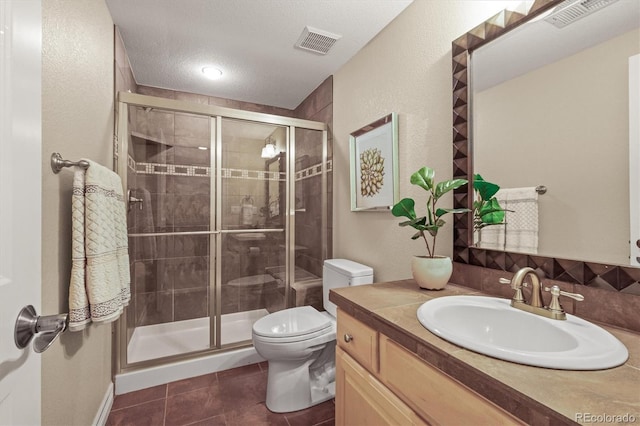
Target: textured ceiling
column 251, row 41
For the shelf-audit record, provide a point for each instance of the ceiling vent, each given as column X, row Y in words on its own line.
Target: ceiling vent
column 572, row 10
column 317, row 41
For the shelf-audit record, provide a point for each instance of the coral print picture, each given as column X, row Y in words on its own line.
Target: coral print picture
column 374, row 183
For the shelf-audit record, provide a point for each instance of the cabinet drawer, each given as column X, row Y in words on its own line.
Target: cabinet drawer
column 435, row 396
column 363, row 400
column 358, row 340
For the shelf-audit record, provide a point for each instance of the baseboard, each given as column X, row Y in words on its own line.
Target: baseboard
column 154, row 376
column 105, row 407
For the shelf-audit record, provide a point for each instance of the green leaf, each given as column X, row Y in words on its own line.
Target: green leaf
column 423, row 178
column 417, row 223
column 484, row 188
column 491, row 213
column 442, row 212
column 416, row 235
column 405, row 208
column 433, row 230
column 446, row 186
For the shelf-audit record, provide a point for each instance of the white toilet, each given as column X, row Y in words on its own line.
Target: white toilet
column 299, row 343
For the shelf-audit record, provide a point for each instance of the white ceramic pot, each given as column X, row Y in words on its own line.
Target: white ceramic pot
column 432, row 273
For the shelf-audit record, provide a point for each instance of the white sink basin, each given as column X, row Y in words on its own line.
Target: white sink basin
column 490, row 326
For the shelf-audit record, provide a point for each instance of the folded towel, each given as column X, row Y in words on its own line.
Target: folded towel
column 100, row 283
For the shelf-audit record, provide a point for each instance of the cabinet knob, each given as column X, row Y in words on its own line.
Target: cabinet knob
column 348, row 338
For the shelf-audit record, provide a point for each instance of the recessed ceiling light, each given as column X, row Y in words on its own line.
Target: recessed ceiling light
column 204, row 148
column 212, row 72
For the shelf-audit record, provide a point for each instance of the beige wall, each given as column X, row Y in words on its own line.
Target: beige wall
column 77, row 121
column 405, row 69
column 567, row 129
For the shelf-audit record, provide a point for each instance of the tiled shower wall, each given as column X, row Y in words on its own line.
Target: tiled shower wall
column 318, row 106
column 170, row 273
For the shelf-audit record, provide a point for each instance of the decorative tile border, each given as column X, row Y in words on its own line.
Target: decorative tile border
column 625, row 279
column 203, row 171
column 315, row 170
column 171, row 169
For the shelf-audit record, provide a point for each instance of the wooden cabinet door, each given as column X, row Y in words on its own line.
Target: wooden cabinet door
column 363, row 400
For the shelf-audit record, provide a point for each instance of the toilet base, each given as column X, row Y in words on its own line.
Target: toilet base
column 295, row 387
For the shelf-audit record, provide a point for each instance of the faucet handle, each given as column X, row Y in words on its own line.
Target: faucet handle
column 554, row 305
column 517, row 296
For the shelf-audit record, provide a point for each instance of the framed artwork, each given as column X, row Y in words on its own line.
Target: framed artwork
column 374, row 165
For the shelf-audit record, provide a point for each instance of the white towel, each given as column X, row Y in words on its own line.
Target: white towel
column 522, row 220
column 492, row 237
column 100, row 283
column 520, row 231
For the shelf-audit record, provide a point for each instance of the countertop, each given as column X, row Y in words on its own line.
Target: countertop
column 538, row 396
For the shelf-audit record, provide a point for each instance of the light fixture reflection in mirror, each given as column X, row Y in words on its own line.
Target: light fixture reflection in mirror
column 269, row 150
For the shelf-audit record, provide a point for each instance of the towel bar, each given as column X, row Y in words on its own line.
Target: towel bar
column 57, row 163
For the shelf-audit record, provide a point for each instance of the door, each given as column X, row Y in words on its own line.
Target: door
column 20, row 209
column 634, row 157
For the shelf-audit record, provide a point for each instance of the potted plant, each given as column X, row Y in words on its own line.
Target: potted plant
column 431, row 271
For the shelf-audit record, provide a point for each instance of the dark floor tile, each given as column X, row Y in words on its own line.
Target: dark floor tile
column 148, row 413
column 254, row 415
column 331, row 422
column 193, row 406
column 138, row 397
column 245, row 370
column 240, row 392
column 213, row 421
column 264, row 365
column 313, row 415
column 192, row 383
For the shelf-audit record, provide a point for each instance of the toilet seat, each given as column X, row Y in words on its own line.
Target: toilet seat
column 292, row 325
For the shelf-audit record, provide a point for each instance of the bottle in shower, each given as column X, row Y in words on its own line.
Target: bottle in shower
column 246, row 211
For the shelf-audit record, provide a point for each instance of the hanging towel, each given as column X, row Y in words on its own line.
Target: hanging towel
column 99, row 286
column 521, row 233
column 492, row 237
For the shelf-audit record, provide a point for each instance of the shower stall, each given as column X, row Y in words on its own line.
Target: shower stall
column 227, row 221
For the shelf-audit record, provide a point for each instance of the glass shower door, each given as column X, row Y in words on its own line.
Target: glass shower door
column 252, row 222
column 169, row 221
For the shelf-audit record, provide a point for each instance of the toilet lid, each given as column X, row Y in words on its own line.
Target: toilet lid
column 291, row 322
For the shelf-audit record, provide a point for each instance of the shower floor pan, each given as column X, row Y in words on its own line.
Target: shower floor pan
column 161, row 340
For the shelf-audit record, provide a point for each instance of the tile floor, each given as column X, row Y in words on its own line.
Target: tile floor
column 231, row 397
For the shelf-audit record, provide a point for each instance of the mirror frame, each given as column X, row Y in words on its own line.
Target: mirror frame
column 593, row 274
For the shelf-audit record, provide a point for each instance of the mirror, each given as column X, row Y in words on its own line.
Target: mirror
column 513, row 147
column 567, row 129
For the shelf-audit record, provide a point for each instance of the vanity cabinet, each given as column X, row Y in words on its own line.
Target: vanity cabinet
column 378, row 382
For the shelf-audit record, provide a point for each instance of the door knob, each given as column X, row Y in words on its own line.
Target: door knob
column 45, row 329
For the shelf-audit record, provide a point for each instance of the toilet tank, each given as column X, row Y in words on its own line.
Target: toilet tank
column 342, row 273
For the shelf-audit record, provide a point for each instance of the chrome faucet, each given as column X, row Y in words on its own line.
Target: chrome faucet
column 536, row 305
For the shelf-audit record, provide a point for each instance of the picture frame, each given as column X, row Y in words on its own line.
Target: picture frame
column 374, row 165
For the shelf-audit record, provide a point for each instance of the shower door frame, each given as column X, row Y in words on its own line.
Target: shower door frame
column 216, row 114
